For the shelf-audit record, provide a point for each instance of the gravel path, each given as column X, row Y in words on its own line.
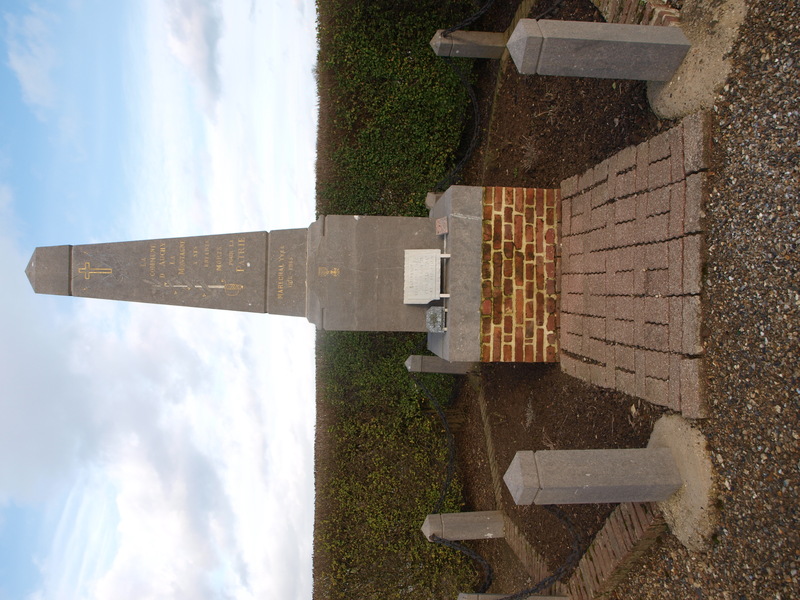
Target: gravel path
column 752, row 311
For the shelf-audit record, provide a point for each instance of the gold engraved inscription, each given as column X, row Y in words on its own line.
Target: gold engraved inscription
column 152, row 260
column 325, row 272
column 88, row 270
column 182, row 258
column 171, row 264
column 284, row 272
column 241, row 261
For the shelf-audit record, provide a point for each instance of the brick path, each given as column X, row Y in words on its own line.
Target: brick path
column 631, row 269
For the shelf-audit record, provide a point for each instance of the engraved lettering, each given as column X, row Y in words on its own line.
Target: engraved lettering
column 182, row 258
column 240, row 256
column 281, row 272
column 152, row 262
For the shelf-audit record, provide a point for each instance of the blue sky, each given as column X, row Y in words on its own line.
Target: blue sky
column 153, row 451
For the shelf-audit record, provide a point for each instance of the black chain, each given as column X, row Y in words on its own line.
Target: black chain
column 469, row 20
column 575, row 538
column 569, row 563
column 488, row 573
column 452, row 176
column 549, row 11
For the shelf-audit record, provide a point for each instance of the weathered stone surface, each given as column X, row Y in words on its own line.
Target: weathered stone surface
column 525, row 46
column 463, row 207
column 592, row 476
column 355, row 272
column 418, row 363
column 610, row 51
column 599, row 476
column 479, row 525
column 431, row 198
column 521, row 478
column 49, row 270
column 216, row 271
column 286, row 268
column 469, row 44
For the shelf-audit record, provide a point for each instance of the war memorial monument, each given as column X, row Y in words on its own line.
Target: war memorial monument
column 602, row 275
column 343, row 273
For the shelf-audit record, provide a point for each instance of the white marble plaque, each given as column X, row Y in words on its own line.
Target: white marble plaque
column 422, row 276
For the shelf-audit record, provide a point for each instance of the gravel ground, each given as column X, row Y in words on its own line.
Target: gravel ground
column 752, row 311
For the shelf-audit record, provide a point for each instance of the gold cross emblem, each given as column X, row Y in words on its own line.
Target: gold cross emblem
column 87, row 270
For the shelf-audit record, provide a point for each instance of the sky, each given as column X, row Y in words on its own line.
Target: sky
column 153, row 451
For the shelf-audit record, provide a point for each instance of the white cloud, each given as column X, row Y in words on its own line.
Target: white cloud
column 46, row 426
column 32, row 57
column 195, row 29
column 188, row 433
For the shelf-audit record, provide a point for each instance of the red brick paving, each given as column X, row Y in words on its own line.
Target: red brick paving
column 631, row 269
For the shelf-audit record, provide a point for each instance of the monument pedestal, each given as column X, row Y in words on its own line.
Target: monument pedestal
column 501, row 276
column 461, row 207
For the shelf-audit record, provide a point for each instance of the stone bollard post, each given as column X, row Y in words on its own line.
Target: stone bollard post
column 592, row 476
column 469, row 44
column 599, row 50
column 417, row 363
column 480, row 525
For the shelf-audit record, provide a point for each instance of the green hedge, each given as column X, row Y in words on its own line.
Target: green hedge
column 391, row 118
column 391, row 111
column 381, row 460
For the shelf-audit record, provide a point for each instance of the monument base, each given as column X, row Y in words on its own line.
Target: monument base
column 501, row 276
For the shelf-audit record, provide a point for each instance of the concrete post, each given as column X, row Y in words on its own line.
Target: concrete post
column 469, row 44
column 599, row 50
column 592, row 476
column 480, row 525
column 417, row 363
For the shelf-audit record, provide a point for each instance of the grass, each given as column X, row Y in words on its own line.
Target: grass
column 391, row 119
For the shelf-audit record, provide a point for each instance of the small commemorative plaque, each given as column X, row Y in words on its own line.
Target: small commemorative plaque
column 422, row 276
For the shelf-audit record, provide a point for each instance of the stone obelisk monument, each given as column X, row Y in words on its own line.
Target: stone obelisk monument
column 478, row 274
column 342, row 273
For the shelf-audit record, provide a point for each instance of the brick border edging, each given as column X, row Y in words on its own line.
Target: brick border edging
column 627, row 534
column 533, row 562
column 637, row 12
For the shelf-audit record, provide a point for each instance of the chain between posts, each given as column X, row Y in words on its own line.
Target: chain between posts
column 575, row 538
column 469, row 20
column 488, row 573
column 452, row 176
